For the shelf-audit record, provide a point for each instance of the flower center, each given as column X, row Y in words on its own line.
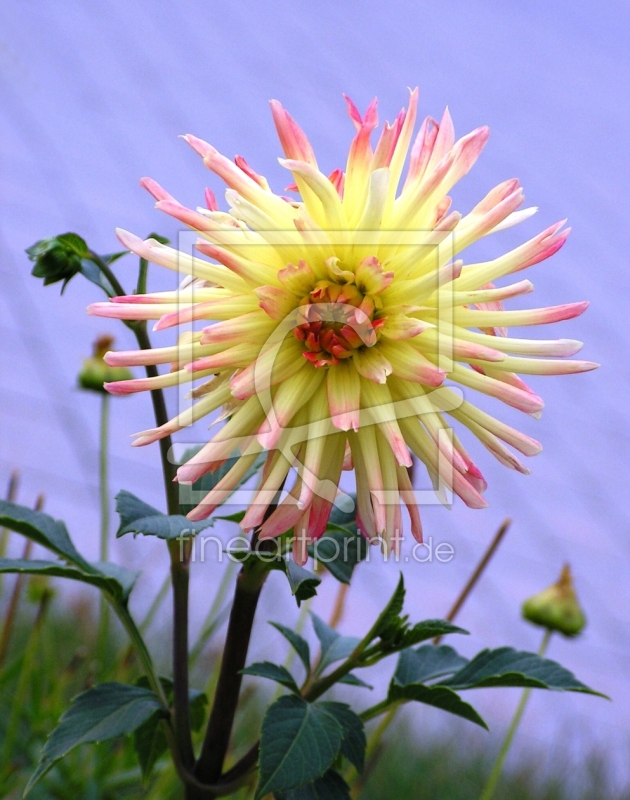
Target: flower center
column 341, row 314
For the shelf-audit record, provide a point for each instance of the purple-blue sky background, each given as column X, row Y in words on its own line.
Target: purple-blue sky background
column 93, row 97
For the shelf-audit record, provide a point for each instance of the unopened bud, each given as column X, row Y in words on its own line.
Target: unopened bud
column 95, row 372
column 557, row 608
column 59, row 258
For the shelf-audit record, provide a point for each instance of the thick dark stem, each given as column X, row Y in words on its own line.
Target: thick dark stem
column 215, row 746
column 180, row 562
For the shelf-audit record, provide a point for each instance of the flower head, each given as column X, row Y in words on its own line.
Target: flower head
column 344, row 325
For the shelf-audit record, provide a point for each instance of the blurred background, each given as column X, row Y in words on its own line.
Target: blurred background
column 94, row 96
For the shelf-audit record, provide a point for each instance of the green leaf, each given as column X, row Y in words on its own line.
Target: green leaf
column 191, row 495
column 426, row 663
column 90, row 270
column 111, row 257
column 298, row 744
column 340, row 550
column 150, row 740
column 42, row 529
column 437, row 696
column 389, row 620
column 354, row 742
column 427, row 629
column 302, row 582
column 298, row 643
column 352, row 680
column 334, row 646
column 508, row 667
column 138, row 517
column 274, row 672
column 114, row 580
column 330, row 786
column 101, row 713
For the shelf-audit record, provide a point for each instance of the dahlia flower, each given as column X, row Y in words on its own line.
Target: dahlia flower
column 343, row 327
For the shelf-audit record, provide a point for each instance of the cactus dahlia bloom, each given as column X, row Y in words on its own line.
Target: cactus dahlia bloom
column 335, row 336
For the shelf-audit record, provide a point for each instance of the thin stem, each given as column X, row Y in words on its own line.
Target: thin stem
column 340, row 605
column 180, row 576
column 474, row 578
column 107, row 272
column 104, row 548
column 103, row 476
column 495, row 774
column 455, row 609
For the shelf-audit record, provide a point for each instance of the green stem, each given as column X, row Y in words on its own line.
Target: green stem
column 103, row 626
column 495, row 774
column 107, row 272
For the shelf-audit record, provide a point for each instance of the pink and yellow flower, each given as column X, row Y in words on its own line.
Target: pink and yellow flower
column 343, row 325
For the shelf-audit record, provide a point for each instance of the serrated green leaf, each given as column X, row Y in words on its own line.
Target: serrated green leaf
column 330, row 786
column 334, row 646
column 118, row 582
column 298, row 643
column 273, row 672
column 150, row 740
column 191, row 495
column 426, row 663
column 508, row 667
column 438, row 696
column 340, row 550
column 138, row 517
column 42, row 529
column 101, row 713
column 299, row 742
column 354, row 741
column 351, row 680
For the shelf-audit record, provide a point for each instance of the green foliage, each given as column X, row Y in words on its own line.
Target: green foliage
column 438, row 696
column 273, row 672
column 334, row 646
column 426, row 663
column 42, row 529
column 331, row 786
column 298, row 643
column 354, row 742
column 340, row 550
column 102, row 713
column 508, row 667
column 149, row 739
column 59, row 258
column 298, row 744
column 138, row 517
column 115, row 580
column 190, row 495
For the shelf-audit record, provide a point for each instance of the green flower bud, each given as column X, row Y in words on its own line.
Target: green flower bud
column 96, row 372
column 557, row 608
column 59, row 258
